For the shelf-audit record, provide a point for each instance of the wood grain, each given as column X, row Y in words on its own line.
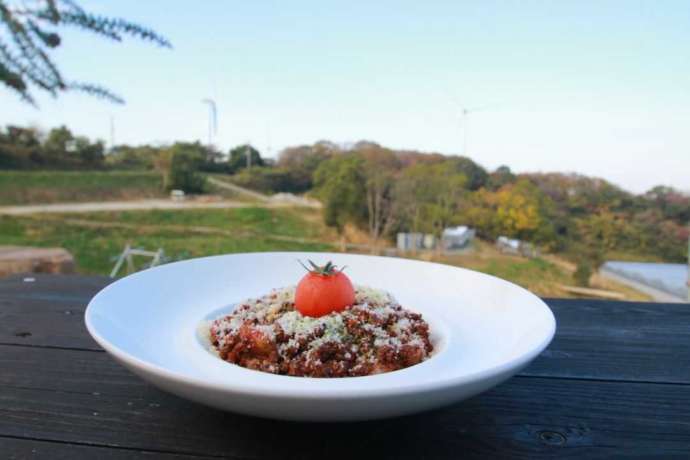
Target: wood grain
column 629, row 341
column 19, row 449
column 84, row 397
column 614, row 383
column 624, row 341
column 48, row 311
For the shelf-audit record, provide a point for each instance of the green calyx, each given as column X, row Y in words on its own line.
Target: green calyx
column 326, row 270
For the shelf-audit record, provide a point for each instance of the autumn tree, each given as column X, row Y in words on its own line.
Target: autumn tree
column 297, row 165
column 518, row 210
column 672, row 203
column 523, row 211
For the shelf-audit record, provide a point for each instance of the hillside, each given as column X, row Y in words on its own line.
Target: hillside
column 29, row 187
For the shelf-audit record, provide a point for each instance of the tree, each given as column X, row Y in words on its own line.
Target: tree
column 62, row 149
column 301, row 162
column 522, row 211
column 20, row 148
column 184, row 166
column 162, row 164
column 268, row 180
column 500, row 177
column 380, row 169
column 133, row 157
column 583, row 272
column 672, row 203
column 89, row 154
column 475, row 174
column 429, row 195
column 28, row 36
column 208, row 159
column 579, row 195
column 238, row 158
column 56, row 144
column 340, row 184
column 603, row 231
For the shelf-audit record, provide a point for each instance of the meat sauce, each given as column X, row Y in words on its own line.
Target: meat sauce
column 373, row 336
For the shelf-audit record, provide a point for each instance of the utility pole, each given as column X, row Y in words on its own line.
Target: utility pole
column 465, row 126
column 248, row 154
column 465, row 112
column 112, row 133
column 212, row 119
column 268, row 141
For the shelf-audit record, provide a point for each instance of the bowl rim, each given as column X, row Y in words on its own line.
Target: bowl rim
column 322, row 391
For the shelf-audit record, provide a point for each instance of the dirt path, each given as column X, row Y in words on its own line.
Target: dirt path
column 282, row 198
column 237, row 189
column 258, row 199
column 138, row 205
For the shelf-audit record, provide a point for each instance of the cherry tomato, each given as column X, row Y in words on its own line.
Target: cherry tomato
column 323, row 290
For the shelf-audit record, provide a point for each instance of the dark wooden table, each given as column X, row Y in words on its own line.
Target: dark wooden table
column 614, row 383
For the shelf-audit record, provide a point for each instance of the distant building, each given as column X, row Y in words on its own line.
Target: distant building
column 451, row 239
column 177, row 195
column 415, row 241
column 457, row 237
column 517, row 247
column 508, row 245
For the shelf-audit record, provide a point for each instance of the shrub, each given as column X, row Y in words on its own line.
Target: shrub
column 270, row 180
column 184, row 172
column 583, row 273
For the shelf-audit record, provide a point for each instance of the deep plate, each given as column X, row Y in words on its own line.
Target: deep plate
column 485, row 330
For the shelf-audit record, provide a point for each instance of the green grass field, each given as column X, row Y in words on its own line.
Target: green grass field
column 96, row 239
column 31, row 187
column 291, row 222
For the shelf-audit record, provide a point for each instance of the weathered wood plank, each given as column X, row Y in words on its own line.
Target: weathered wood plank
column 80, row 396
column 20, row 449
column 595, row 339
column 634, row 341
column 48, row 311
column 72, row 287
column 44, row 323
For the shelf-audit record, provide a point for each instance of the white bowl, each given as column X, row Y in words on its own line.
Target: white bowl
column 484, row 330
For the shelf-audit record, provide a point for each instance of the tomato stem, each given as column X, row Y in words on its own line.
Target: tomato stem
column 326, row 270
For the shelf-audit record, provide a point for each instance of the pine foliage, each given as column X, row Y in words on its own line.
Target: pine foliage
column 29, row 33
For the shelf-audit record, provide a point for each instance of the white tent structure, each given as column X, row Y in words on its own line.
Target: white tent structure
column 457, row 237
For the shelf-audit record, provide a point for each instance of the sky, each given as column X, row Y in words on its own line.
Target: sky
column 595, row 87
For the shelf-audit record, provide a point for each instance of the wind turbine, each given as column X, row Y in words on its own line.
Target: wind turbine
column 465, row 111
column 212, row 120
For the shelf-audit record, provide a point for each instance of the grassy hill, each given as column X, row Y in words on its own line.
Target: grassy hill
column 95, row 239
column 30, row 187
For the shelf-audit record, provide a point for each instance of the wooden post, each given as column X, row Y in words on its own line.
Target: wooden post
column 126, row 256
